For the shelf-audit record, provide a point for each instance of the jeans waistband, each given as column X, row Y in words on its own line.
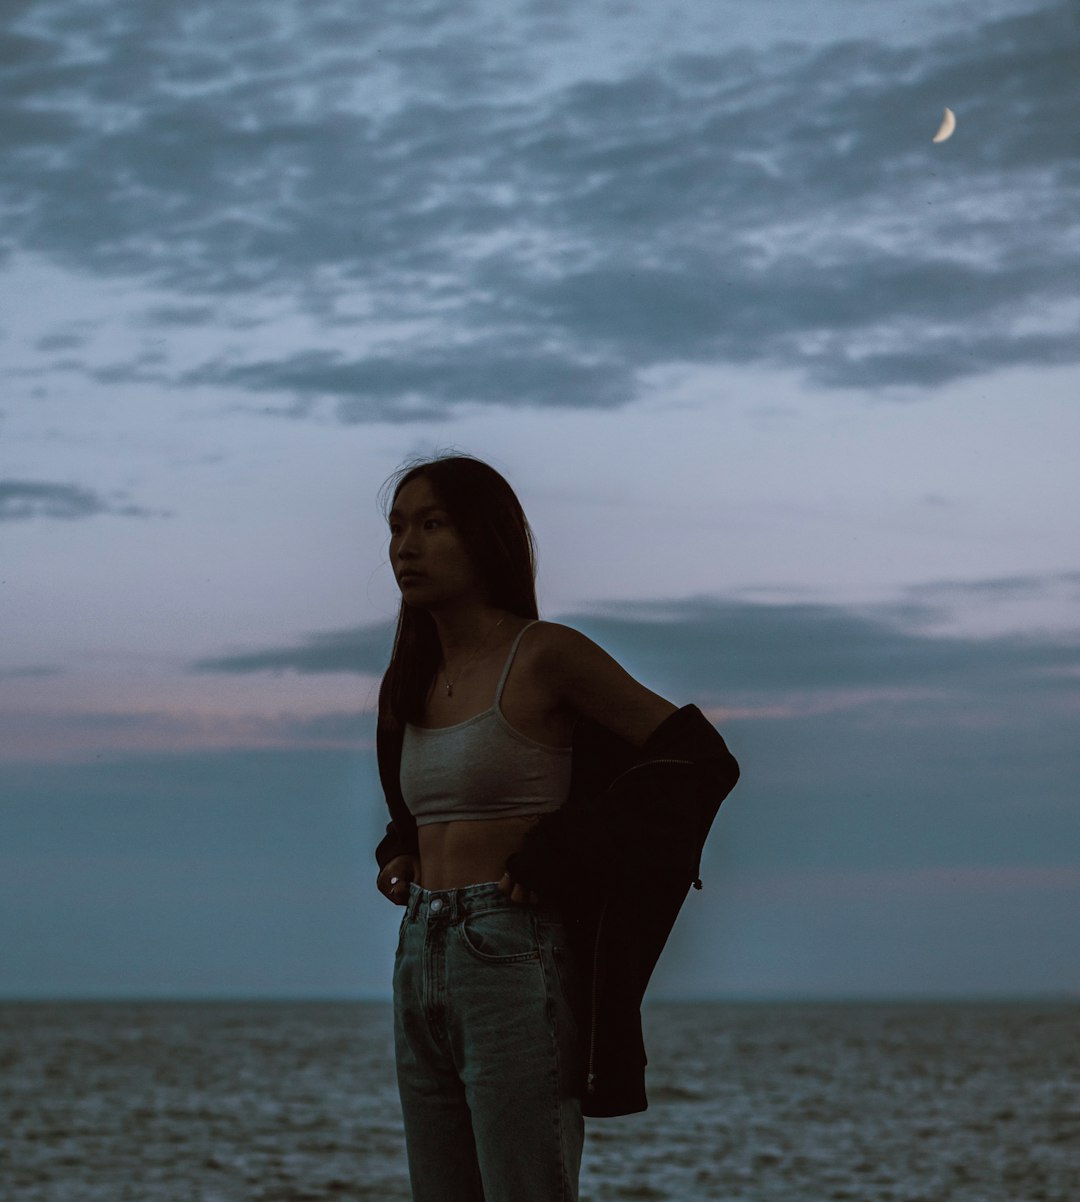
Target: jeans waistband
column 451, row 905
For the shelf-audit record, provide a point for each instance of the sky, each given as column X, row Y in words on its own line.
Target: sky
column 788, row 392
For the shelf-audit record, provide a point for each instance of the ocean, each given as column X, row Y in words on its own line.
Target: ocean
column 770, row 1102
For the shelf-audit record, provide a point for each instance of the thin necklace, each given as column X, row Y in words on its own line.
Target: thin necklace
column 449, row 685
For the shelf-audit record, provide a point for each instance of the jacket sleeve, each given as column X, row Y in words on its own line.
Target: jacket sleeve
column 579, row 842
column 394, row 843
column 400, row 838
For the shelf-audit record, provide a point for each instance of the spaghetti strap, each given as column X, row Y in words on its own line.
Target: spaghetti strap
column 509, row 661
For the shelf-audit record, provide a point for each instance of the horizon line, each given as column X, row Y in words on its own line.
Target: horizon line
column 1052, row 997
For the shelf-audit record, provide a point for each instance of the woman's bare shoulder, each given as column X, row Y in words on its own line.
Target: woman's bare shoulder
column 591, row 684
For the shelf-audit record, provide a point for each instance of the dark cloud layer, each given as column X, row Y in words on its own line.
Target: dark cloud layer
column 783, row 208
column 21, row 500
column 363, row 650
column 720, row 649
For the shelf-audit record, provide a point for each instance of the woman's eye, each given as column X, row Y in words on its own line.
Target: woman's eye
column 395, row 527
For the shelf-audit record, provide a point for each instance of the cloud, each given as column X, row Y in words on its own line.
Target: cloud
column 722, row 647
column 929, row 602
column 175, row 874
column 30, row 671
column 784, row 658
column 911, row 884
column 464, row 232
column 364, row 650
column 866, row 673
column 995, row 588
column 421, row 385
column 67, row 733
column 61, row 341
column 21, row 500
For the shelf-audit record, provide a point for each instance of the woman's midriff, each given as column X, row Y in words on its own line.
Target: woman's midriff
column 456, row 854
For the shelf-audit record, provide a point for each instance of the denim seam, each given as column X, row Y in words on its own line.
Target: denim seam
column 558, row 1074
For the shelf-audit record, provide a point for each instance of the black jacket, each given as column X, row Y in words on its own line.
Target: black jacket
column 618, row 858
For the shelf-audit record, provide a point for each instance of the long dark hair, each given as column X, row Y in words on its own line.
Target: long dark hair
column 488, row 516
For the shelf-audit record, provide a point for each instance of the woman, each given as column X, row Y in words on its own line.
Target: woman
column 485, row 699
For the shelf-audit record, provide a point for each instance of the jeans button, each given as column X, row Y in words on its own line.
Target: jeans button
column 437, row 904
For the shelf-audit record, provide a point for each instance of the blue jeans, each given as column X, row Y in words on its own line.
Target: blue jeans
column 487, row 1048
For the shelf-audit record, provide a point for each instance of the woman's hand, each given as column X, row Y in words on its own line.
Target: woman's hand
column 393, row 880
column 517, row 892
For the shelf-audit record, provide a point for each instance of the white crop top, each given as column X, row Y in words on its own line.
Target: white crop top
column 481, row 768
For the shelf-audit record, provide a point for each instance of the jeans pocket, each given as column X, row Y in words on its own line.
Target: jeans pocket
column 500, row 936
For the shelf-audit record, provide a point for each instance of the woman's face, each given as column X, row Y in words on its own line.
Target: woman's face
column 423, row 539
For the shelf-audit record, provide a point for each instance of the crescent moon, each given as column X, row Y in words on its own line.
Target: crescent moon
column 948, row 124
